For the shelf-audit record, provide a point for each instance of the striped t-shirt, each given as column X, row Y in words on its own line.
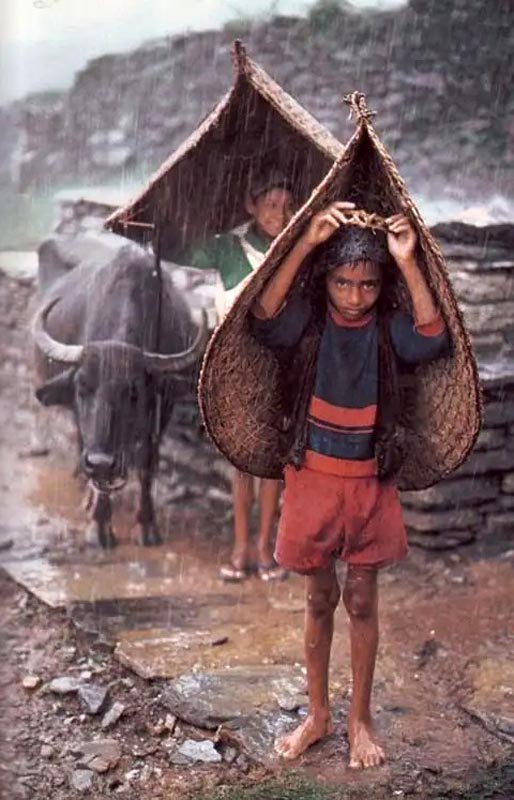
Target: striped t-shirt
column 343, row 409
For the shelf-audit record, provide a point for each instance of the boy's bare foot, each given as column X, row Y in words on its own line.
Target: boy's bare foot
column 306, row 734
column 364, row 749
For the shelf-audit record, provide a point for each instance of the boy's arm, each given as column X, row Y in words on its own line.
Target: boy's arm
column 320, row 228
column 426, row 338
column 401, row 241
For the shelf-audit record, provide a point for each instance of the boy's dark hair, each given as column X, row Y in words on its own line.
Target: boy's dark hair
column 351, row 244
column 267, row 179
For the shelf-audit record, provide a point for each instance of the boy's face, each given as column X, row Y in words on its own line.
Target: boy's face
column 353, row 289
column 271, row 211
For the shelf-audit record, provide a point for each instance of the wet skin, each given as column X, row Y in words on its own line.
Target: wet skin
column 271, row 211
column 360, row 597
column 353, row 289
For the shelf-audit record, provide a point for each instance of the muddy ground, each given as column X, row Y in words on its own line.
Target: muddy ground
column 444, row 685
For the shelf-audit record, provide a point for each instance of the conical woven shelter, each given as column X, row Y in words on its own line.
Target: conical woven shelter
column 200, row 189
column 244, row 391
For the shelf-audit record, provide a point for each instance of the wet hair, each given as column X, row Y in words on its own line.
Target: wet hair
column 269, row 179
column 351, row 245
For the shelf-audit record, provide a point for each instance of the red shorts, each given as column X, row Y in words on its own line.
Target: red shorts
column 324, row 517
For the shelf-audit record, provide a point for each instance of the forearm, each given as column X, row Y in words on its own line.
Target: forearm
column 425, row 309
column 274, row 294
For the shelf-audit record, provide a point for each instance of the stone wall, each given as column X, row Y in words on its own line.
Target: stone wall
column 478, row 500
column 438, row 74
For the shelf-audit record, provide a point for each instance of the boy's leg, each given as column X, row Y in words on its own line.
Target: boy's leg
column 322, row 598
column 360, row 597
column 242, row 494
column 268, row 505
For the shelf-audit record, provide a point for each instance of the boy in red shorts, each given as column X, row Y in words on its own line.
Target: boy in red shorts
column 335, row 506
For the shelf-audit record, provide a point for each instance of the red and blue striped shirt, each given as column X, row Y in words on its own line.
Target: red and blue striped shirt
column 343, row 409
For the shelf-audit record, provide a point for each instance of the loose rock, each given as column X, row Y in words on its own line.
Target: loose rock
column 31, row 681
column 64, row 685
column 82, row 780
column 101, row 755
column 92, row 698
column 112, row 716
column 192, row 751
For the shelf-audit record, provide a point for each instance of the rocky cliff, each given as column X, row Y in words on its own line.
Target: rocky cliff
column 438, row 72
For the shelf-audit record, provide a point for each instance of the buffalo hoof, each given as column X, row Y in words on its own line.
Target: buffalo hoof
column 107, row 539
column 148, row 535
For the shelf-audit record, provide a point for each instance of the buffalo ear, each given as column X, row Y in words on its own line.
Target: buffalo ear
column 58, row 391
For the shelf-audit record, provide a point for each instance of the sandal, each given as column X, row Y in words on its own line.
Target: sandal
column 271, row 572
column 232, row 574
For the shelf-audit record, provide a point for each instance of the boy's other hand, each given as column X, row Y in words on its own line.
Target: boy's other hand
column 401, row 239
column 326, row 222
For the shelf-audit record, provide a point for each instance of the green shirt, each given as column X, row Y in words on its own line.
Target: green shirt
column 225, row 254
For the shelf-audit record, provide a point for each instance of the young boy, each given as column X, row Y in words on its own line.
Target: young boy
column 270, row 206
column 334, row 506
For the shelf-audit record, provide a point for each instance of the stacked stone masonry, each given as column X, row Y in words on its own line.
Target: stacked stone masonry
column 477, row 502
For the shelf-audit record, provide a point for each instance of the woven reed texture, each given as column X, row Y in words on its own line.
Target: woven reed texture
column 245, row 394
column 200, row 189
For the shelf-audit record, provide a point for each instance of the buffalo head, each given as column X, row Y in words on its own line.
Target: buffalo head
column 113, row 389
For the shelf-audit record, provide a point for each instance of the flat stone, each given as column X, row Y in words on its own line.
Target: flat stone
column 82, row 780
column 64, row 685
column 500, row 523
column 451, row 493
column 230, row 696
column 506, row 501
column 112, row 716
column 292, row 703
column 92, row 697
column 497, row 373
column 493, row 461
column 483, row 287
column 193, row 751
column 508, row 483
column 100, row 755
column 487, row 345
column 136, row 573
column 491, row 695
column 31, row 681
column 162, row 653
column 490, row 439
column 442, row 520
column 498, row 413
column 447, row 540
column 488, row 316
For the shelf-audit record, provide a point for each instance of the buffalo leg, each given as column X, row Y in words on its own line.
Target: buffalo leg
column 146, row 517
column 102, row 518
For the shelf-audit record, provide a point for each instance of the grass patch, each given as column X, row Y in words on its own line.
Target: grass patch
column 294, row 788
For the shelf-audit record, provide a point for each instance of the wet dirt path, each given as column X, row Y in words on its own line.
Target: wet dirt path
column 135, row 620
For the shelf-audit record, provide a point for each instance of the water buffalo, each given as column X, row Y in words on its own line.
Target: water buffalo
column 99, row 353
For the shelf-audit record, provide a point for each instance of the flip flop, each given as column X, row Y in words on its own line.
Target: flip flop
column 232, row 574
column 271, row 572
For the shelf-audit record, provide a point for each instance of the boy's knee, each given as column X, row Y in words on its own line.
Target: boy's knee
column 360, row 601
column 323, row 602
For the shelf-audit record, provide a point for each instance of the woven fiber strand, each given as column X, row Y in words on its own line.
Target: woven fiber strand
column 200, row 189
column 246, row 394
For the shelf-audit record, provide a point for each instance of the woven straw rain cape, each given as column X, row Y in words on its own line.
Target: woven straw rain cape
column 199, row 191
column 245, row 391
